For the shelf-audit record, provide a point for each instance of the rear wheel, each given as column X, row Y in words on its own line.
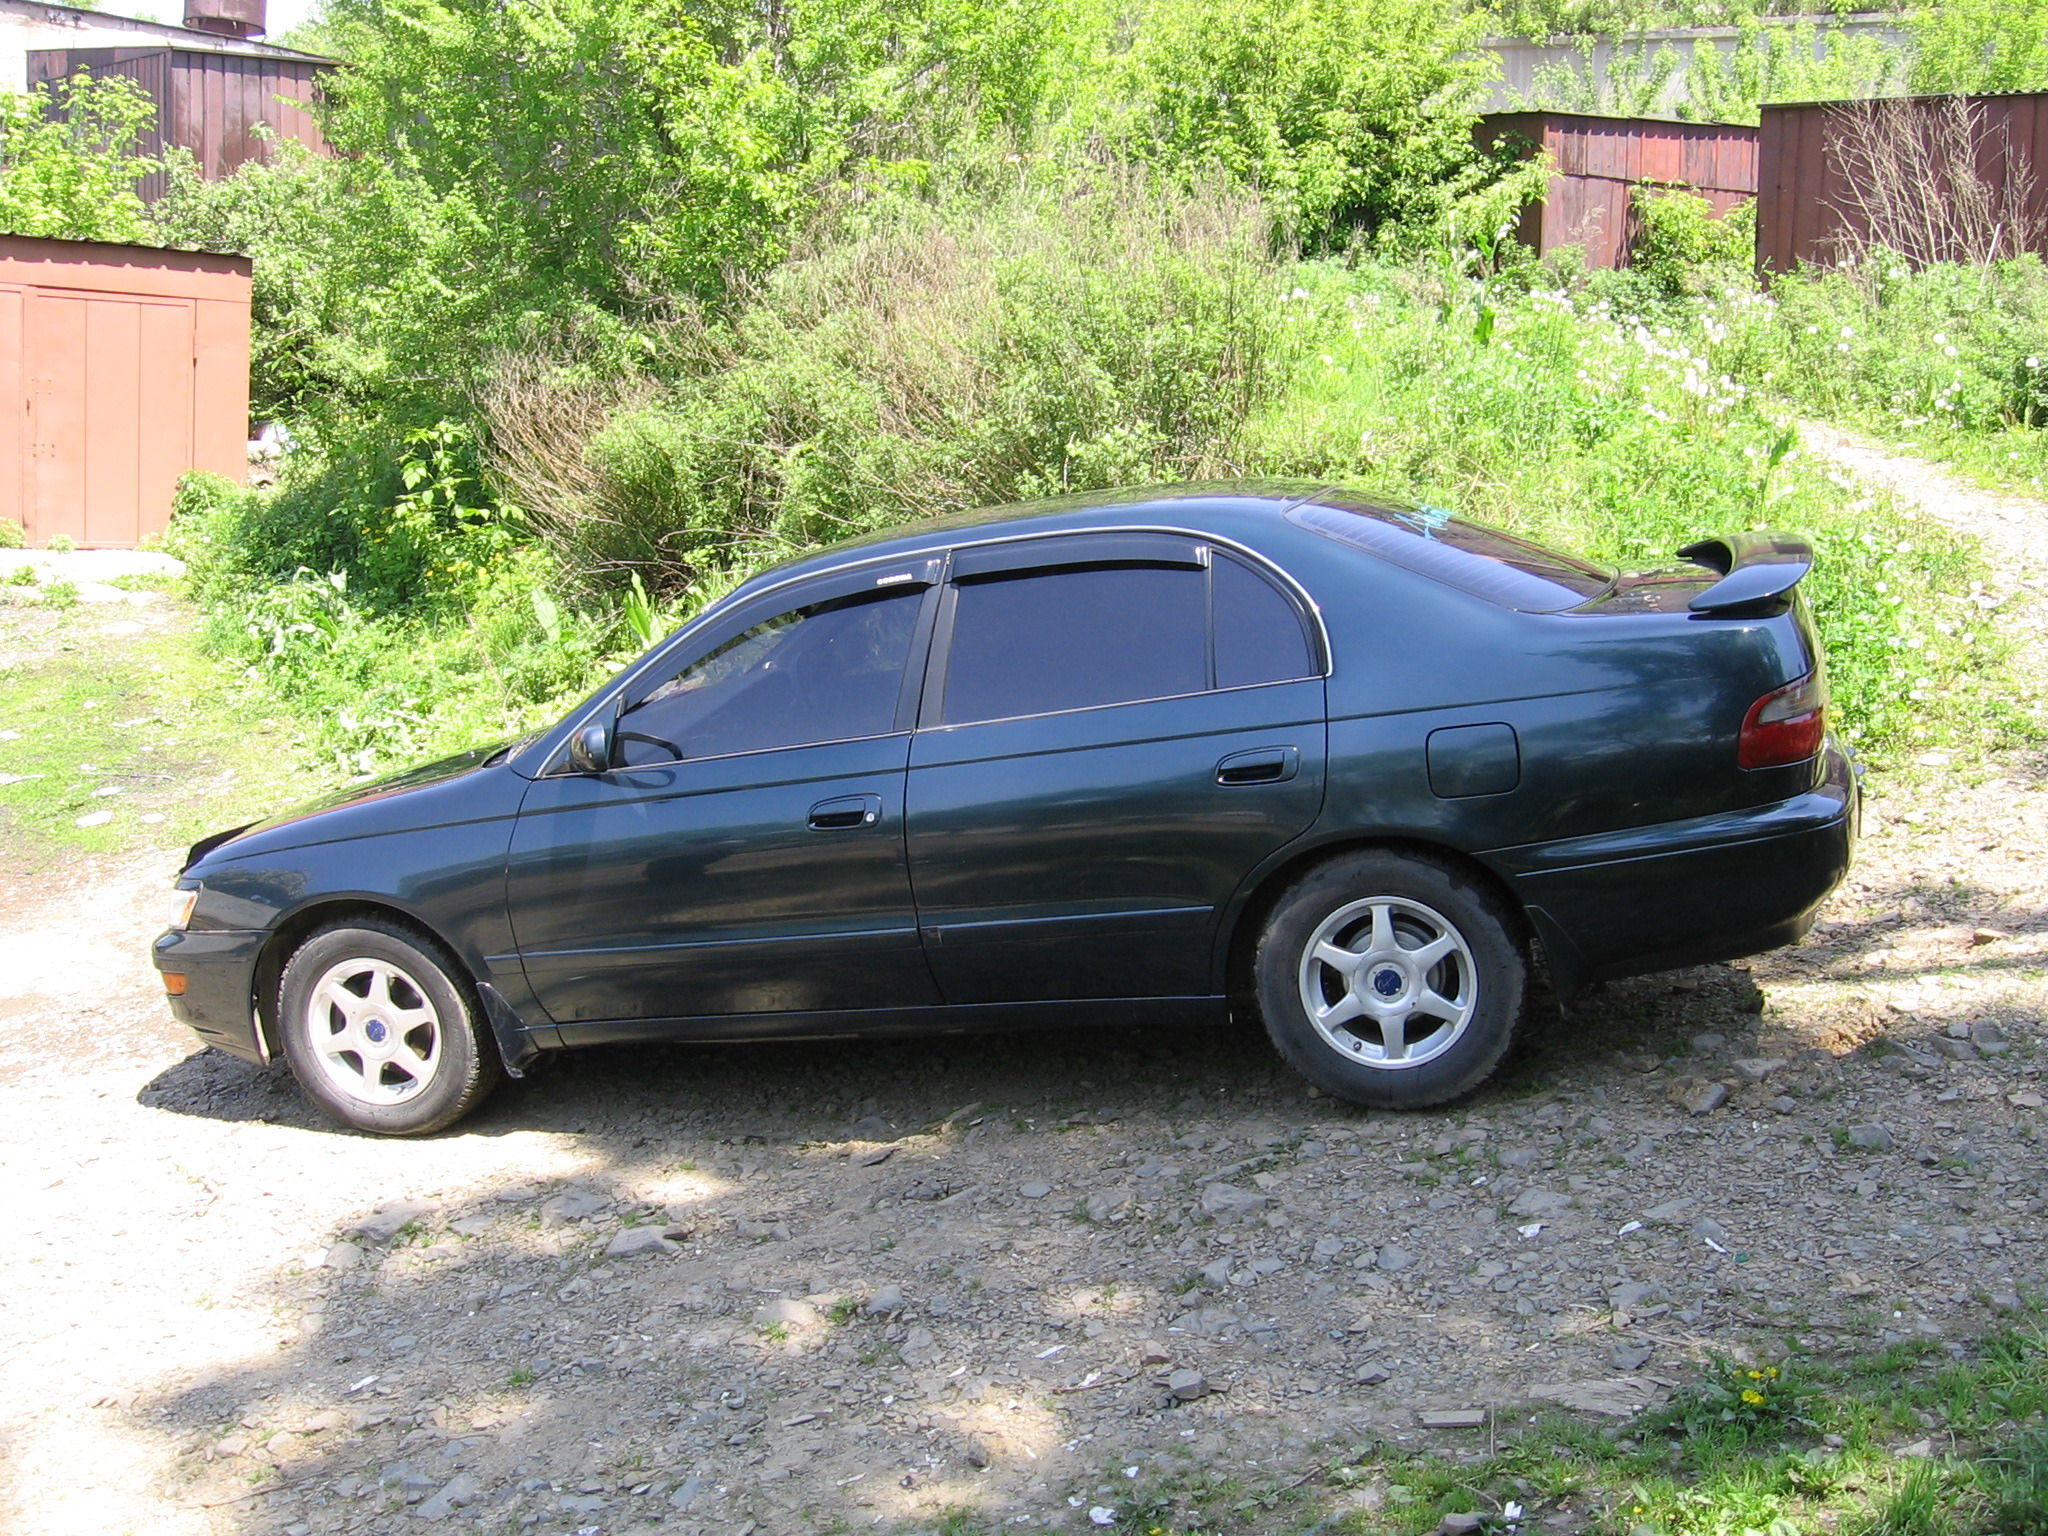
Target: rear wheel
column 1391, row 980
column 382, row 1032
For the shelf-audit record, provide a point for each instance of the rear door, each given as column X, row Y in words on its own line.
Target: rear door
column 1116, row 728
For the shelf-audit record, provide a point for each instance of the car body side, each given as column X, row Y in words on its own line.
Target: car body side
column 1583, row 760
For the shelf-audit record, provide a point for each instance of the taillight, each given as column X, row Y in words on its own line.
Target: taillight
column 1785, row 725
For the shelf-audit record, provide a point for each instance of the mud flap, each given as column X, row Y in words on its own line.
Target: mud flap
column 515, row 1045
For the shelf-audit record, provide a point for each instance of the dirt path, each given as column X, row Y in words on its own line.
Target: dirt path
column 225, row 1317
column 2011, row 530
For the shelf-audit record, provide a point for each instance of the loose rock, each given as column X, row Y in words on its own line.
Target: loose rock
column 1187, row 1385
column 1228, row 1203
column 389, row 1222
column 1705, row 1099
column 887, row 1299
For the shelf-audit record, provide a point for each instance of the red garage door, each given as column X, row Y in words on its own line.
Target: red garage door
column 128, row 371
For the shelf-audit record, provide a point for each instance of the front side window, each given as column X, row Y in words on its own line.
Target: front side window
column 1035, row 643
column 827, row 672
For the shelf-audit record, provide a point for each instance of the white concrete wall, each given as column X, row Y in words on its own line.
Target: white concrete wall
column 26, row 25
column 1522, row 58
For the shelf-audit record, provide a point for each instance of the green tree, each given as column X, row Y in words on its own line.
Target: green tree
column 1981, row 45
column 1347, row 116
column 69, row 160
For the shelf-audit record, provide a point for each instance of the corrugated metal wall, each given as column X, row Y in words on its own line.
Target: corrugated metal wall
column 207, row 102
column 1600, row 160
column 1803, row 210
column 127, row 367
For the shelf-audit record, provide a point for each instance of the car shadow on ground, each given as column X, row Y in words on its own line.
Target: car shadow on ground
column 817, row 1087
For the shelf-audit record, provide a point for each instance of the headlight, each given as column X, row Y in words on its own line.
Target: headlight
column 181, row 913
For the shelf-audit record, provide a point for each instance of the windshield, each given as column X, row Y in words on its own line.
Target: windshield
column 1488, row 563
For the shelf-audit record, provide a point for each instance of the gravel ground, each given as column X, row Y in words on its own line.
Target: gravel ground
column 792, row 1289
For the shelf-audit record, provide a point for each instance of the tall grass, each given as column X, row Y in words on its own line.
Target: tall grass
column 1558, row 413
column 915, row 360
column 919, row 359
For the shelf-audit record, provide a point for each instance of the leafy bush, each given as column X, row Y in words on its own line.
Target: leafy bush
column 1684, row 247
column 1346, row 116
column 930, row 359
column 1980, row 45
column 69, row 159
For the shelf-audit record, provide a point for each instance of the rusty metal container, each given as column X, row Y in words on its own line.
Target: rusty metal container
column 123, row 367
column 226, row 18
column 219, row 105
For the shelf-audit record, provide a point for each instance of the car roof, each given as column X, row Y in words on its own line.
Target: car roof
column 1190, row 505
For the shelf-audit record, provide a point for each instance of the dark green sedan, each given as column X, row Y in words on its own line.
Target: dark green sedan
column 1349, row 764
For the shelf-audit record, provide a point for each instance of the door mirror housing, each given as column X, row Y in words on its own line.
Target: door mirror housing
column 590, row 749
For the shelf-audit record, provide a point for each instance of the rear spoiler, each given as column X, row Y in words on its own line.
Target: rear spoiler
column 1757, row 570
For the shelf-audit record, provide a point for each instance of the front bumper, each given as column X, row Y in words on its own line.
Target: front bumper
column 219, row 1001
column 1689, row 892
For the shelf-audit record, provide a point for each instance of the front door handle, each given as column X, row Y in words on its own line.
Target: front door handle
column 846, row 813
column 1261, row 765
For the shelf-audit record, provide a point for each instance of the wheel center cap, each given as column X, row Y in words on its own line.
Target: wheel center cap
column 376, row 1031
column 1387, row 981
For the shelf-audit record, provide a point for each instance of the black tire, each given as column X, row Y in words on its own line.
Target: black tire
column 416, row 1072
column 1418, row 1054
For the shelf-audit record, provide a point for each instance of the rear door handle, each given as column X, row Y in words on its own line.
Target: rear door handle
column 846, row 813
column 1261, row 765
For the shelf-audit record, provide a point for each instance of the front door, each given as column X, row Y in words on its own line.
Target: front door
column 1119, row 728
column 744, row 855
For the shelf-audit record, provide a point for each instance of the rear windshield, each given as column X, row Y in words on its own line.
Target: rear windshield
column 1470, row 556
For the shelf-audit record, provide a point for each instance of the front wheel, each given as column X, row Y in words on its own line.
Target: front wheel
column 1391, row 980
column 381, row 1031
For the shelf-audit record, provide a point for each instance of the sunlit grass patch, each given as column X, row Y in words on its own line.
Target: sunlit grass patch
column 119, row 741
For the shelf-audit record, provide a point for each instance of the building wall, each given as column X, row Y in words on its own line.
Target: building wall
column 214, row 104
column 130, row 366
column 1525, row 62
column 1601, row 160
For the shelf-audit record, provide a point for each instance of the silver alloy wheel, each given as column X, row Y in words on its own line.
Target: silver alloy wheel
column 374, row 1031
column 1388, row 982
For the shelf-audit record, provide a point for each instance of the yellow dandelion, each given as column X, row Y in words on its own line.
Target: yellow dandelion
column 1751, row 1396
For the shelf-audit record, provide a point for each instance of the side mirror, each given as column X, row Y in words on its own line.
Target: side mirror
column 590, row 749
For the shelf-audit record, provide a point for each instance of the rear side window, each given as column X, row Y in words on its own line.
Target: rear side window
column 1259, row 636
column 1486, row 562
column 1040, row 641
column 1034, row 644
